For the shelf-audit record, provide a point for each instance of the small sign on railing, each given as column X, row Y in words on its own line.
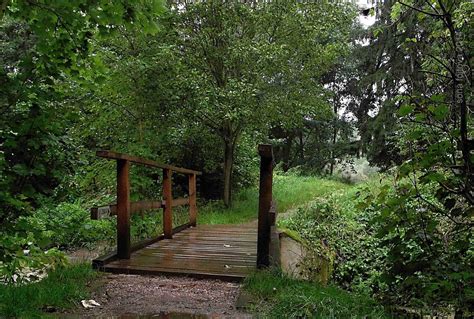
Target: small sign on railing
column 103, row 212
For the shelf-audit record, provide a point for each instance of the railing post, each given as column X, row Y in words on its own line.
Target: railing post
column 192, row 199
column 168, row 198
column 123, row 209
column 265, row 202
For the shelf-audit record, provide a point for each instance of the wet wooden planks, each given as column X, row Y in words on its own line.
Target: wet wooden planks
column 208, row 251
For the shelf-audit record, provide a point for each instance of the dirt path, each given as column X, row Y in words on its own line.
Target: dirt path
column 131, row 296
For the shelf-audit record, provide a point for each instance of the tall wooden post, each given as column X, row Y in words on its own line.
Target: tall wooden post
column 123, row 209
column 265, row 202
column 168, row 198
column 192, row 200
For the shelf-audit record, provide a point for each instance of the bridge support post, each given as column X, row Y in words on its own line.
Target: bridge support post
column 192, row 200
column 123, row 209
column 265, row 203
column 168, row 198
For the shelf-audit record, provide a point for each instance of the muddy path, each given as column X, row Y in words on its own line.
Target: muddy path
column 133, row 296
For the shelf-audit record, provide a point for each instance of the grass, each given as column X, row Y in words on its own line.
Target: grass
column 278, row 296
column 61, row 290
column 289, row 191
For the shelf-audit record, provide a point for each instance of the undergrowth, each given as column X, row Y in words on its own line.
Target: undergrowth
column 289, row 191
column 62, row 289
column 347, row 231
column 278, row 296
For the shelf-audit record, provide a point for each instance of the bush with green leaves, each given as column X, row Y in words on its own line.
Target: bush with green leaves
column 23, row 246
column 336, row 222
column 68, row 225
column 395, row 240
column 430, row 251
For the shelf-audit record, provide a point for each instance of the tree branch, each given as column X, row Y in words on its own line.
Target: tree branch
column 421, row 11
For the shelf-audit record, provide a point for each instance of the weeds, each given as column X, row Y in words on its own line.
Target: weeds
column 62, row 289
column 289, row 191
column 278, row 296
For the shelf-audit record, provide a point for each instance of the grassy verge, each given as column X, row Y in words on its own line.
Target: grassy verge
column 62, row 289
column 277, row 296
column 289, row 192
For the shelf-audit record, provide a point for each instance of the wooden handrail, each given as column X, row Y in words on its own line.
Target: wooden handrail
column 100, row 212
column 124, row 208
column 144, row 161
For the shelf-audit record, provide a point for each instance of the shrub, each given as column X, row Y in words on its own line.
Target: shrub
column 429, row 247
column 22, row 248
column 68, row 225
column 397, row 241
column 335, row 222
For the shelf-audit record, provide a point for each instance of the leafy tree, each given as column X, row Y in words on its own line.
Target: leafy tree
column 381, row 70
column 427, row 219
column 248, row 67
column 45, row 44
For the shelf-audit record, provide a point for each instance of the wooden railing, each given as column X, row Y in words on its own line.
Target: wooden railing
column 124, row 208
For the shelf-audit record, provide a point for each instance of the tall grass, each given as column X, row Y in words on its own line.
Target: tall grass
column 62, row 289
column 288, row 191
column 278, row 296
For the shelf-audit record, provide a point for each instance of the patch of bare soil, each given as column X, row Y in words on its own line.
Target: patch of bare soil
column 82, row 255
column 132, row 296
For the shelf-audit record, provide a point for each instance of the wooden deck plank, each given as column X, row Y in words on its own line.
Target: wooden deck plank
column 208, row 251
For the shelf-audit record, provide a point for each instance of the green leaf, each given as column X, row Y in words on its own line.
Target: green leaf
column 406, row 109
column 440, row 112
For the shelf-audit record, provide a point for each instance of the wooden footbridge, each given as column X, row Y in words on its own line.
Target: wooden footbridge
column 228, row 252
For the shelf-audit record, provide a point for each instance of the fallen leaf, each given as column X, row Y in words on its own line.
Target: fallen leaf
column 89, row 303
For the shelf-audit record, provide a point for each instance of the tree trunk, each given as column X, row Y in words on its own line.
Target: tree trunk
column 334, row 138
column 228, row 168
column 333, row 146
column 286, row 154
column 300, row 135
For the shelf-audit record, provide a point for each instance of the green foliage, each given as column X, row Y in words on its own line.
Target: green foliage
column 429, row 251
column 333, row 225
column 425, row 218
column 23, row 245
column 44, row 45
column 64, row 29
column 289, row 192
column 223, row 74
column 394, row 241
column 62, row 289
column 277, row 296
column 68, row 225
column 210, row 83
column 19, row 260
